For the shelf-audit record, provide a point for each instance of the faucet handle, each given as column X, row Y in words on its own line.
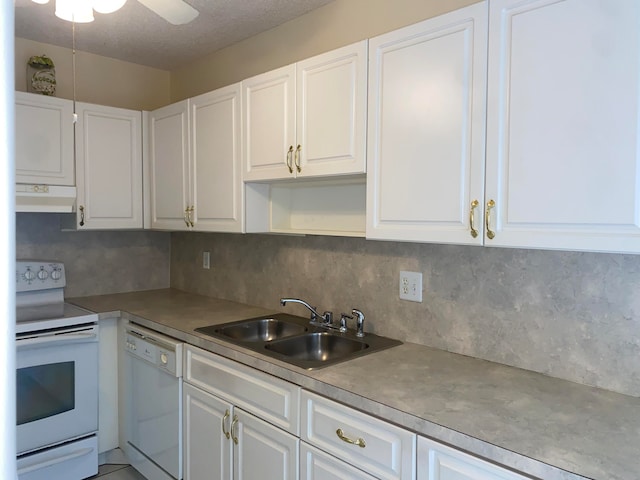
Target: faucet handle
column 343, row 322
column 359, row 322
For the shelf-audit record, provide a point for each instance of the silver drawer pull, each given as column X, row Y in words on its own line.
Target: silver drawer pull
column 359, row 442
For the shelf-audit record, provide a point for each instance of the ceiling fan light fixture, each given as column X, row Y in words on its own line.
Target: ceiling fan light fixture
column 78, row 11
column 107, row 6
column 41, row 2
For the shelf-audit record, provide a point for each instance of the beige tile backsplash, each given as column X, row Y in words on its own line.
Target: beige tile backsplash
column 566, row 314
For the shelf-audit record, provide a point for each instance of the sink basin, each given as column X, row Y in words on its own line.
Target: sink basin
column 293, row 340
column 256, row 329
column 317, row 347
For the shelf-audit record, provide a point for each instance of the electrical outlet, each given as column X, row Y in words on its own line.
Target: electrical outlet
column 206, row 260
column 411, row 286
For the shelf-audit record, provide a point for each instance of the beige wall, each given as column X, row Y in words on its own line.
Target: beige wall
column 337, row 24
column 100, row 80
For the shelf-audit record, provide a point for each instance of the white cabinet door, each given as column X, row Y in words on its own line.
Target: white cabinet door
column 108, row 167
column 425, row 171
column 438, row 462
column 331, row 106
column 44, row 140
column 216, row 163
column 317, row 465
column 269, row 125
column 307, row 119
column 207, row 450
column 563, row 165
column 263, row 451
column 169, row 166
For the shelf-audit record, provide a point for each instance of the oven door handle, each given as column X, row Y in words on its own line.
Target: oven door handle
column 45, row 340
column 54, row 461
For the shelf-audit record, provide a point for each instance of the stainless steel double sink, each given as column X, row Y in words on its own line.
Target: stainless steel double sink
column 293, row 340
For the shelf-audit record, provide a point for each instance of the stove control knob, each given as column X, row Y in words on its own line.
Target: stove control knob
column 43, row 274
column 56, row 274
column 164, row 359
column 29, row 275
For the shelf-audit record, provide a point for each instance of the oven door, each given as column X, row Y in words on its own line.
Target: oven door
column 57, row 386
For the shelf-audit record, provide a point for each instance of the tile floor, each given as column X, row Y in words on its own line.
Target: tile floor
column 117, row 472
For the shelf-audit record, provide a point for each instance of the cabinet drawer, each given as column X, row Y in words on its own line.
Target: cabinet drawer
column 317, row 465
column 388, row 451
column 268, row 397
column 439, row 462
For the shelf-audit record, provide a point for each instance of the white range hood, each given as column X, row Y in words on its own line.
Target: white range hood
column 45, row 198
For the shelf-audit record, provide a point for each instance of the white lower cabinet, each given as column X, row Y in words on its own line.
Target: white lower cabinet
column 224, row 442
column 207, row 451
column 317, row 465
column 378, row 448
column 439, row 462
column 261, row 450
column 235, row 419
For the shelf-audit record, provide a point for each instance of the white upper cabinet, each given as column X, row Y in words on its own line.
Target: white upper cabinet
column 216, row 164
column 425, row 173
column 269, row 124
column 307, row 119
column 331, row 100
column 44, row 140
column 169, row 166
column 563, row 165
column 195, row 163
column 108, row 167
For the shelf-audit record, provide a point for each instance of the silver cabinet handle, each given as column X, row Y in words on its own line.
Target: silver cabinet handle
column 359, row 442
column 81, row 208
column 186, row 216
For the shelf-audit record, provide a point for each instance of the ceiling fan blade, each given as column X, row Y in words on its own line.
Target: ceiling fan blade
column 176, row 12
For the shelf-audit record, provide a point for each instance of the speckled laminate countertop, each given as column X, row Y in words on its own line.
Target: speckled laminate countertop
column 548, row 428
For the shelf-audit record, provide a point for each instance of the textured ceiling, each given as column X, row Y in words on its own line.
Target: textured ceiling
column 136, row 34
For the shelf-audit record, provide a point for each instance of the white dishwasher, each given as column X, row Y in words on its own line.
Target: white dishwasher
column 153, row 403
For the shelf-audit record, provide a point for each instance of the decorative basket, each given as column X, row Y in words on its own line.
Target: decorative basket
column 41, row 75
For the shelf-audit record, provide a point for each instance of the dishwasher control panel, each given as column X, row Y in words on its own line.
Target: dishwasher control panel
column 163, row 352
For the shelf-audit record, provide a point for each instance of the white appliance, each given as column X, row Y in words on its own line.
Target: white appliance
column 153, row 405
column 45, row 198
column 56, row 377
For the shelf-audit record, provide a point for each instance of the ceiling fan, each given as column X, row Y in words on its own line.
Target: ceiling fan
column 176, row 12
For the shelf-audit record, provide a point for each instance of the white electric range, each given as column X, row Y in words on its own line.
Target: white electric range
column 57, row 377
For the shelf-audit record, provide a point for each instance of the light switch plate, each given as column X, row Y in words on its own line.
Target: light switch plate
column 411, row 286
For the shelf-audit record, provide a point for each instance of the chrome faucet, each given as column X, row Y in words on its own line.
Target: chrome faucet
column 359, row 321
column 325, row 319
